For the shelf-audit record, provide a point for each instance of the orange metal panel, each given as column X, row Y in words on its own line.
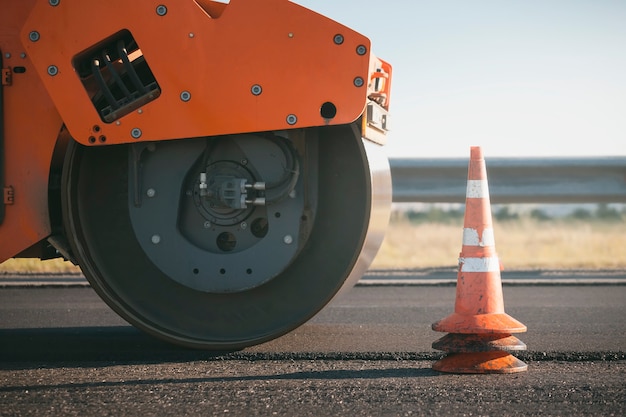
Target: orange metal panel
column 31, row 126
column 215, row 52
column 293, row 53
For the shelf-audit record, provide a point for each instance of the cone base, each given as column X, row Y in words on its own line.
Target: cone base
column 480, row 363
column 479, row 324
column 456, row 342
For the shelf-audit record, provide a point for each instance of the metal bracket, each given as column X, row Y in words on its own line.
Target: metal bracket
column 9, row 195
column 7, row 76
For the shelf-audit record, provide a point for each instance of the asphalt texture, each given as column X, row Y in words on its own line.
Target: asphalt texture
column 64, row 352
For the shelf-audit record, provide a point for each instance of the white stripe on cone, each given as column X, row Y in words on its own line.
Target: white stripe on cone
column 471, row 238
column 477, row 189
column 489, row 264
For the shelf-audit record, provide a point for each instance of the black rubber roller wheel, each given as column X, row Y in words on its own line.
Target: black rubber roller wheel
column 96, row 215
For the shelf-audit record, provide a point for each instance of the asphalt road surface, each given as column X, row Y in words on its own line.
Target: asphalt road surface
column 63, row 352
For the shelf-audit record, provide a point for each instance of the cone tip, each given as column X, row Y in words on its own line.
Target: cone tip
column 476, row 153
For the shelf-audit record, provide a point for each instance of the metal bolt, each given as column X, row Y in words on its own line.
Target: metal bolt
column 185, row 96
column 256, row 89
column 290, row 34
column 151, row 192
column 338, row 39
column 207, row 224
column 53, row 70
column 161, row 10
column 54, row 3
column 191, row 35
column 117, row 123
column 156, row 239
column 140, row 111
column 358, row 82
column 23, row 55
column 244, row 162
column 33, row 36
column 136, row 133
column 7, row 55
column 361, row 50
column 292, row 119
column 288, row 239
column 243, row 225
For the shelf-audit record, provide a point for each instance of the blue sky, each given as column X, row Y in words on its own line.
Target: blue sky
column 519, row 78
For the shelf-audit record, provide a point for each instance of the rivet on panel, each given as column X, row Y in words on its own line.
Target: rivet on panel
column 292, row 119
column 161, row 10
column 136, row 133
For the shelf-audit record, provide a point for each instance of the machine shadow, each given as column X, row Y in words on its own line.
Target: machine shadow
column 76, row 346
column 86, row 347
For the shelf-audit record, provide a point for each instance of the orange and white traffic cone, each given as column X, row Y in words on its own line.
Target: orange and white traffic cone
column 480, row 331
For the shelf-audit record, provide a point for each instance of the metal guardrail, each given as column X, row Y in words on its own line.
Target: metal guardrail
column 513, row 180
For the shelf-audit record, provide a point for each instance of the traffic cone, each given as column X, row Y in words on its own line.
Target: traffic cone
column 480, row 336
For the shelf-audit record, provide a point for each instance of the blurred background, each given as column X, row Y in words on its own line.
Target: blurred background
column 530, row 78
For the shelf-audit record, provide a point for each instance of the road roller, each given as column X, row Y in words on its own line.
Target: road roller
column 215, row 168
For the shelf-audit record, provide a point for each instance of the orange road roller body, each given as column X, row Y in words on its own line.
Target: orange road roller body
column 215, row 169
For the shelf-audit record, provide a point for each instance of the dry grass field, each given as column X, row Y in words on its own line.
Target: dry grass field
column 523, row 243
